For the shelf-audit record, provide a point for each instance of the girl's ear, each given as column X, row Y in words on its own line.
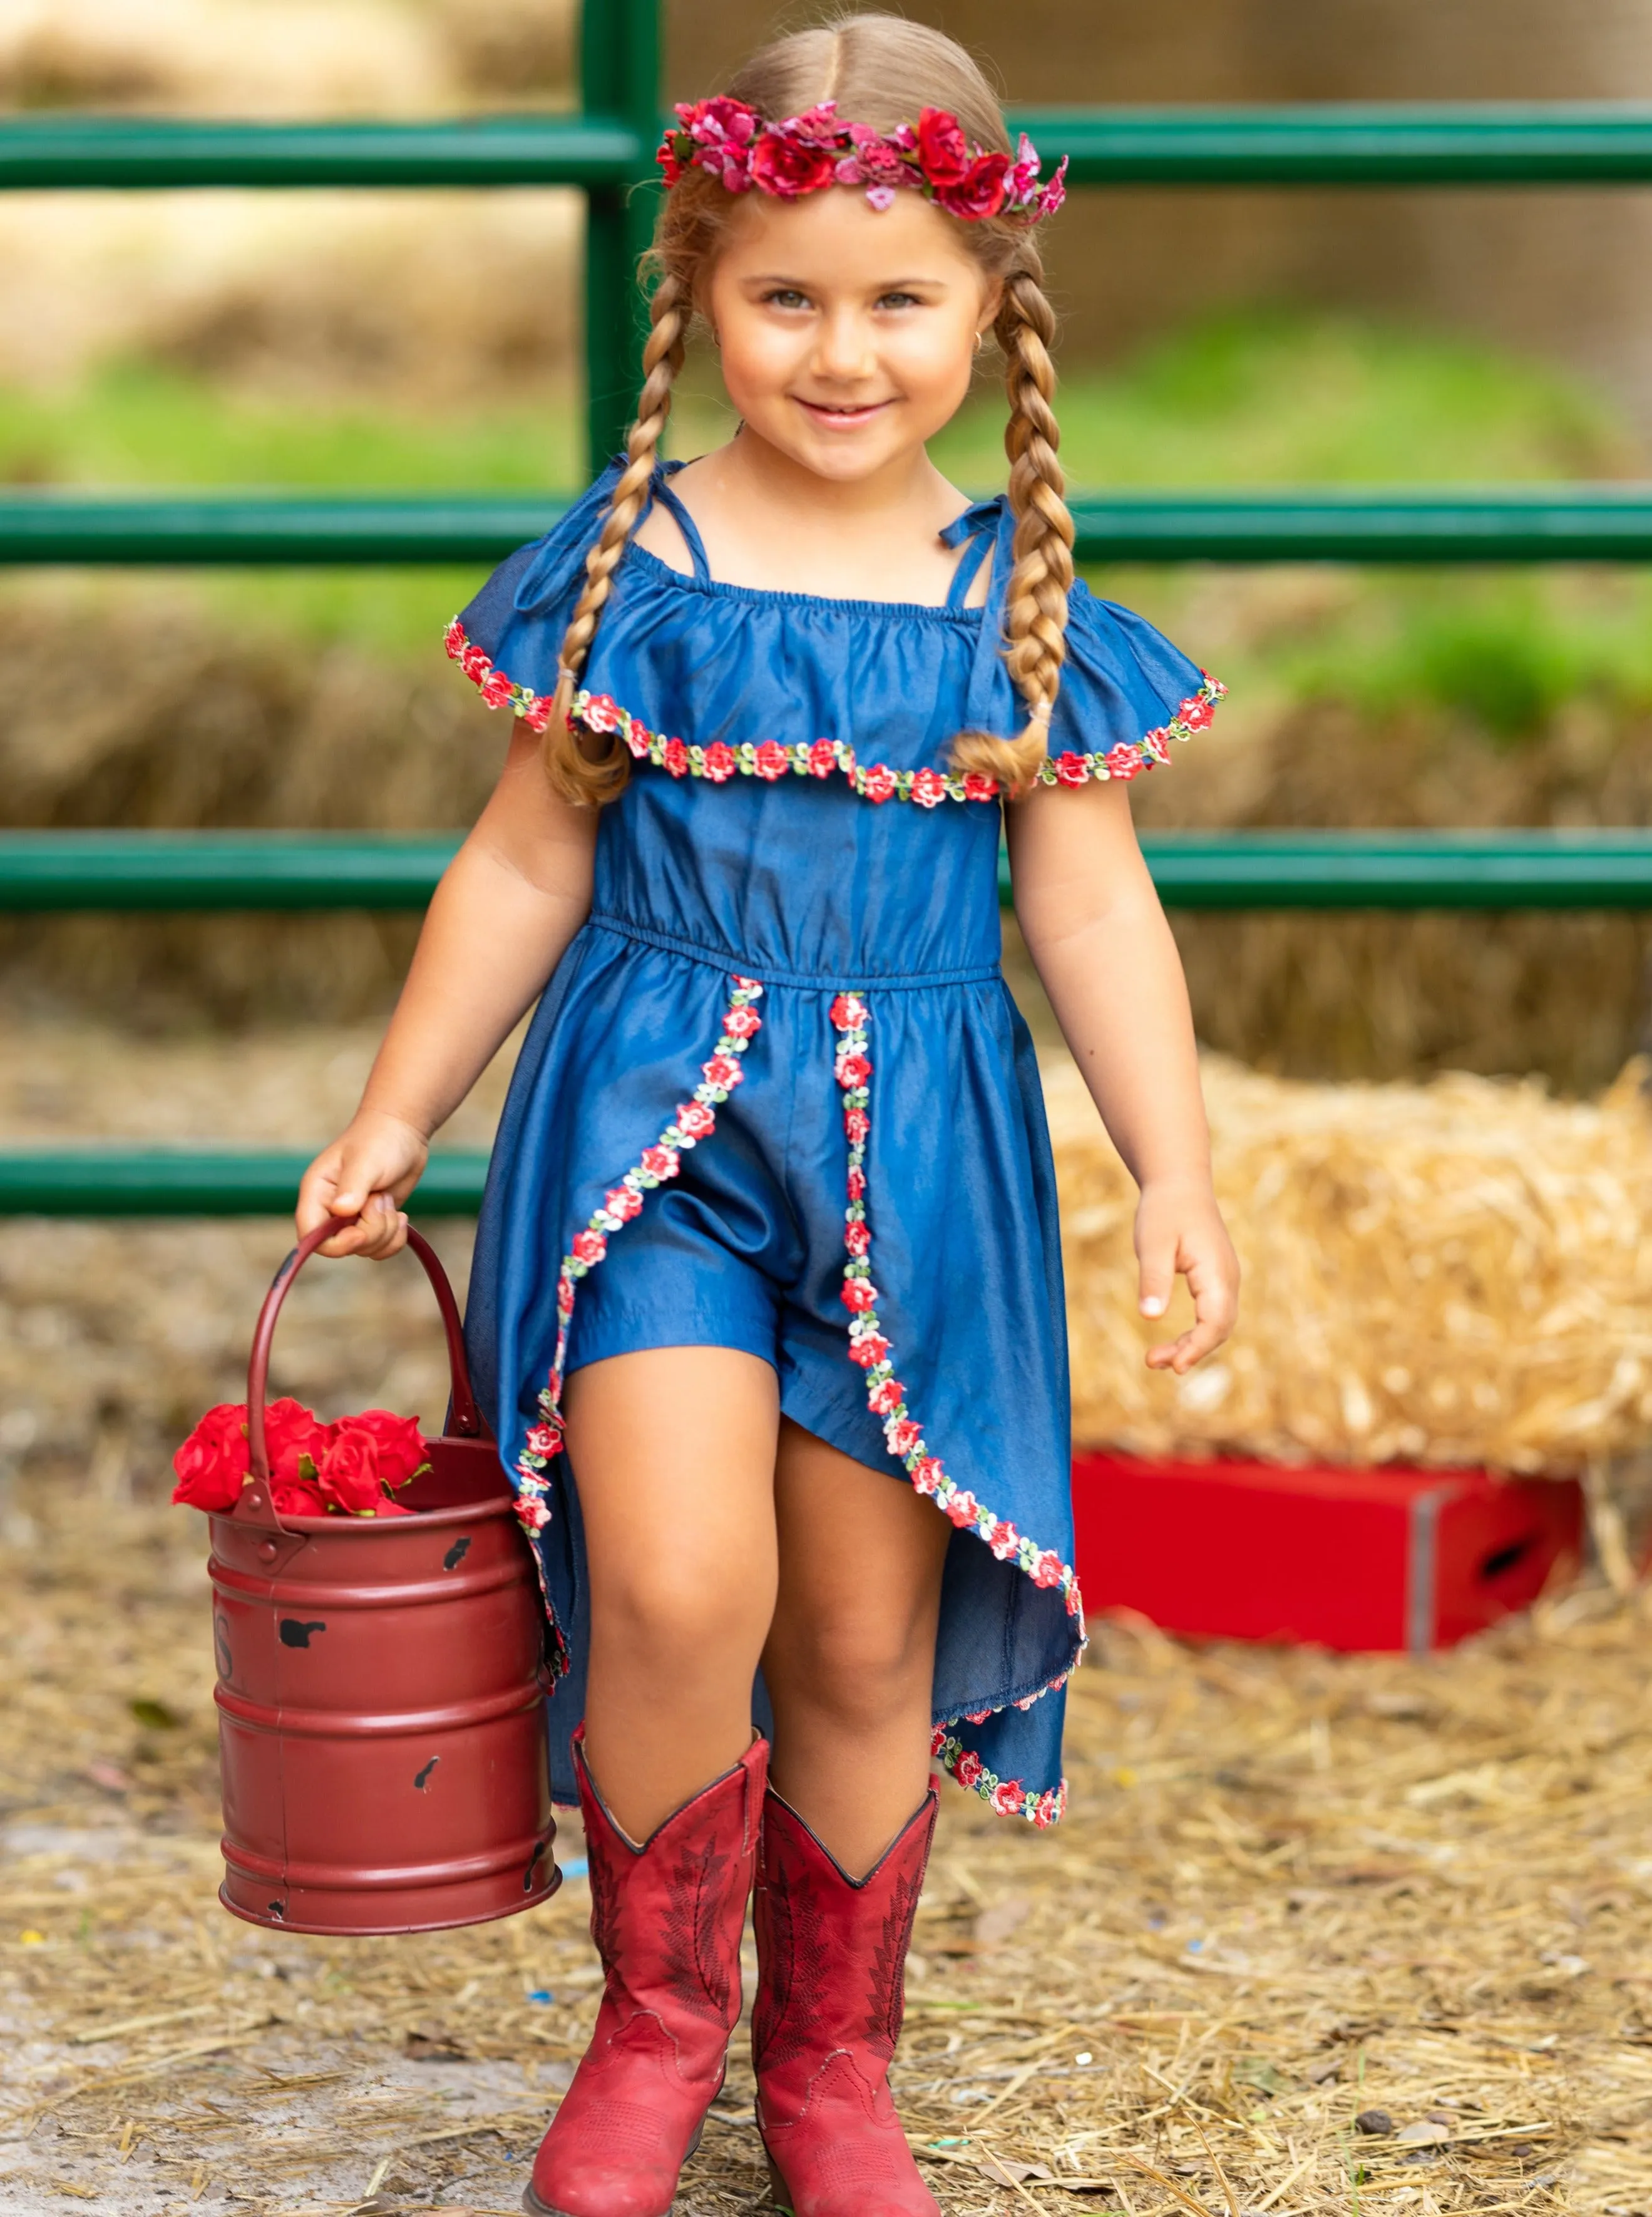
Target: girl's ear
column 992, row 301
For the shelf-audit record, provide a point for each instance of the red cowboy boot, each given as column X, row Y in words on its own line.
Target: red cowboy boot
column 831, row 1955
column 667, row 1919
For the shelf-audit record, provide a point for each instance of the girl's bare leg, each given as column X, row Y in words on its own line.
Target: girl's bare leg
column 673, row 1451
column 850, row 1662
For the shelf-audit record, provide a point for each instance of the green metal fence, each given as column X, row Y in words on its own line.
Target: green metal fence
column 606, row 152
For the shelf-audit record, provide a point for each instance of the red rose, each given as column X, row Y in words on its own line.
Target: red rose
column 622, row 1203
column 852, row 1069
column 296, row 1441
column 977, row 788
column 823, row 758
column 885, row 1397
column 636, row 739
column 711, row 121
column 544, row 1440
column 694, row 1120
column 666, row 155
column 878, row 782
column 719, row 762
column 297, row 1497
column 496, row 691
column 349, row 1475
column 475, row 664
column 856, row 1123
column 1123, row 763
column 981, row 193
column 600, row 714
column 743, row 1023
column 968, row 1767
column 722, row 1071
column 784, row 167
column 929, row 1475
column 677, row 757
column 211, row 1464
column 1046, row 1571
column 849, row 1012
column 857, row 1238
column 536, row 715
column 858, row 1293
column 453, row 640
column 904, row 1436
column 402, row 1452
column 928, row 787
column 590, row 1247
column 869, row 1351
column 533, row 1513
column 1004, row 1541
column 660, row 1161
column 773, row 760
column 1046, row 1811
column 1073, row 769
column 1196, row 713
column 1006, row 1797
column 943, row 151
column 962, row 1509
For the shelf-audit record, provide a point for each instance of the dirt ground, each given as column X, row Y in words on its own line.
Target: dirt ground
column 1294, row 1891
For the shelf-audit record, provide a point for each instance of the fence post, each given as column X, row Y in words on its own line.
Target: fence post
column 620, row 76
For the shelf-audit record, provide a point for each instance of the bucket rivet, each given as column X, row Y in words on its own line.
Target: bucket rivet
column 268, row 1551
column 255, row 1501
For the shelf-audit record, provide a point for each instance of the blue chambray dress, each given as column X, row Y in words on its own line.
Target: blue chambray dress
column 777, row 1097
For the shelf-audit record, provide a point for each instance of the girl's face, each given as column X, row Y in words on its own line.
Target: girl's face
column 846, row 332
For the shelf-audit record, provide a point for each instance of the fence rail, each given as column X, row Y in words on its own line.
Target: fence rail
column 206, row 1180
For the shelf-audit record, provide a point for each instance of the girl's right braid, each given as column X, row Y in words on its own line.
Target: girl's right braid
column 573, row 775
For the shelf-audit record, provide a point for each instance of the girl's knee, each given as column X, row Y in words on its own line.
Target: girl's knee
column 678, row 1614
column 853, row 1661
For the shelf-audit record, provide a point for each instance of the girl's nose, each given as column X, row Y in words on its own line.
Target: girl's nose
column 844, row 348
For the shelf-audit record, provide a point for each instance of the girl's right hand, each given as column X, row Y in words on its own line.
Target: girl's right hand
column 366, row 1174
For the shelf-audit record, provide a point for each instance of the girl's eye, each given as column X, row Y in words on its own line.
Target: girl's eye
column 900, row 300
column 785, row 296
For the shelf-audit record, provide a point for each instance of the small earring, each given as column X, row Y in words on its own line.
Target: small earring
column 980, row 341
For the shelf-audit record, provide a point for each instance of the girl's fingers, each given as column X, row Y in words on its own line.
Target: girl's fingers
column 1157, row 1267
column 1212, row 1280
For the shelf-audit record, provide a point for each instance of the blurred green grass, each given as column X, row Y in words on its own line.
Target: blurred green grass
column 1265, row 397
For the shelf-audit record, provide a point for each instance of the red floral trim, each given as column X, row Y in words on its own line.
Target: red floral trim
column 904, row 1436
column 774, row 758
column 696, row 1120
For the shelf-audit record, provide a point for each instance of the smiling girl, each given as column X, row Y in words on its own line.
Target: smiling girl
column 767, row 1293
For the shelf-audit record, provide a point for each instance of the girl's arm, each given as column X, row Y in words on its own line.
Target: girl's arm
column 508, row 905
column 1103, row 951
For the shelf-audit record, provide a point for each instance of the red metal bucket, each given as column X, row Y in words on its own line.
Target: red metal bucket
column 381, row 1687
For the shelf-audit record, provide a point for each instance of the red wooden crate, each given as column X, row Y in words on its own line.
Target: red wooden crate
column 1390, row 1559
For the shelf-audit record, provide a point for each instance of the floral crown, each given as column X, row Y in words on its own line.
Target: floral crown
column 807, row 153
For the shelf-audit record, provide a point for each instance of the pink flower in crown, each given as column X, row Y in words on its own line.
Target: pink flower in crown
column 823, row 758
column 847, row 171
column 885, row 1397
column 929, row 786
column 877, row 783
column 475, row 664
column 742, row 1024
column 857, row 1124
column 1023, row 175
column 694, row 1120
column 453, row 640
column 943, row 151
column 544, row 1440
column 722, row 1070
column 857, row 1238
column 736, row 172
column 880, row 197
column 981, row 193
column 1072, row 769
column 857, row 1180
column 816, row 127
column 1054, row 195
column 1197, row 712
column 858, row 1293
column 532, row 1512
column 962, row 1509
column 967, row 1769
column 1003, row 1540
column 536, row 715
column 869, row 1351
column 929, row 1474
column 773, row 760
column 849, row 1012
column 903, row 1434
column 1008, row 1797
column 677, row 757
column 719, row 762
column 786, row 166
column 1122, row 762
column 600, row 714
column 979, row 788
column 853, row 1071
column 1046, row 1571
column 623, row 1201
column 710, row 122
column 590, row 1247
column 879, row 158
column 660, row 1161
column 497, row 689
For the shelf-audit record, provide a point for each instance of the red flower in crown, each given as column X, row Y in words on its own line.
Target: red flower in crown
column 773, row 760
column 677, row 757
column 979, row 194
column 694, row 1120
column 786, row 166
column 943, row 151
column 719, row 762
column 590, row 1247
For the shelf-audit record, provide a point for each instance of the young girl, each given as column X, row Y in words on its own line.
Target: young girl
column 767, row 1296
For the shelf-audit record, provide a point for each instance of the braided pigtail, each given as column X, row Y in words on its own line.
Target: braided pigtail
column 575, row 774
column 1035, row 606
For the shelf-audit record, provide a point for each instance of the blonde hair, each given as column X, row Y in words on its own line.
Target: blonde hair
column 881, row 71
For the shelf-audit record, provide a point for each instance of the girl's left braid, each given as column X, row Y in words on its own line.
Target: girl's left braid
column 573, row 775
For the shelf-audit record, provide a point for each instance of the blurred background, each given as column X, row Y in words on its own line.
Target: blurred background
column 418, row 340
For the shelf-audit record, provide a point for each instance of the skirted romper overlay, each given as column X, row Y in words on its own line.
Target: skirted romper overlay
column 776, row 1096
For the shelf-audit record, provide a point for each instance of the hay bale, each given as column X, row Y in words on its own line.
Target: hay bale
column 1452, row 1273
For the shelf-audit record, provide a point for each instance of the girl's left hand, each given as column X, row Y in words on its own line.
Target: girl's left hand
column 1180, row 1232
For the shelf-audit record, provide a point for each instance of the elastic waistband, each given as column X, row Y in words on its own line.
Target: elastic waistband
column 768, row 973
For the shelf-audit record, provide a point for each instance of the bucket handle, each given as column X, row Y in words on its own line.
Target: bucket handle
column 465, row 1420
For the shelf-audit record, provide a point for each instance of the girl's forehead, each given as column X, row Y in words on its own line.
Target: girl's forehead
column 833, row 237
